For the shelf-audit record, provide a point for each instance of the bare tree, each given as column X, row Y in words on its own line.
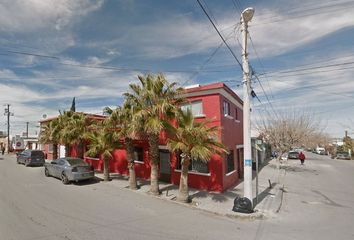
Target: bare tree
column 288, row 130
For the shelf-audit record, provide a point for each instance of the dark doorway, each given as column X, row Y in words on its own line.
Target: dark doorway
column 240, row 162
column 165, row 166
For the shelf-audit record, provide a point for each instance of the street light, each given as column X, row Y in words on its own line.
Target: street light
column 246, row 16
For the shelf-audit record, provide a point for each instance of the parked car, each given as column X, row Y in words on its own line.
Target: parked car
column 343, row 155
column 31, row 158
column 323, row 152
column 293, row 155
column 69, row 169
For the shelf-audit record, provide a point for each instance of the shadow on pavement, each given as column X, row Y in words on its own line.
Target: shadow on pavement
column 87, row 182
column 216, row 197
column 264, row 194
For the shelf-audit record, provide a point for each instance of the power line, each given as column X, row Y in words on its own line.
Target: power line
column 205, row 63
column 261, row 64
column 265, row 94
column 311, row 10
column 315, row 87
column 312, row 68
column 216, row 29
column 111, row 68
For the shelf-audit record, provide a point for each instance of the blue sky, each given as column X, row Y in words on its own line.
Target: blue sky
column 54, row 50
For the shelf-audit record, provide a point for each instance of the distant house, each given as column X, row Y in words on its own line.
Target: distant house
column 22, row 142
column 214, row 101
column 78, row 150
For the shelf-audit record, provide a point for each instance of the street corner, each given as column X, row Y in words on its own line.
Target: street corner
column 256, row 215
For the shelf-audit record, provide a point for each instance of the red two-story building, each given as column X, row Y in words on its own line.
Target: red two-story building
column 214, row 101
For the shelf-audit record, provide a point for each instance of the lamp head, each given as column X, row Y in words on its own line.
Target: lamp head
column 247, row 14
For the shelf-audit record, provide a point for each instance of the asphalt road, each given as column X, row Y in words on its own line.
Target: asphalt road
column 317, row 205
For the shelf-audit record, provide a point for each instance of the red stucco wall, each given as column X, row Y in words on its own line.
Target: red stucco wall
column 217, row 179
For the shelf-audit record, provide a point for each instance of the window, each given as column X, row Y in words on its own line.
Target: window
column 138, row 154
column 87, row 147
column 196, row 107
column 230, row 163
column 198, row 165
column 50, row 148
column 236, row 114
column 227, row 109
column 61, row 162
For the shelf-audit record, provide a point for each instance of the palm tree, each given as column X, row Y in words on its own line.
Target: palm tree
column 50, row 134
column 101, row 142
column 122, row 120
column 154, row 101
column 63, row 125
column 76, row 125
column 196, row 141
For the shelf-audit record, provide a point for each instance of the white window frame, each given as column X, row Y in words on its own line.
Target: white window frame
column 194, row 106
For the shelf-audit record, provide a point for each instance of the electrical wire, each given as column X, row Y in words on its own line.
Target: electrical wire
column 111, row 68
column 223, row 39
column 205, row 63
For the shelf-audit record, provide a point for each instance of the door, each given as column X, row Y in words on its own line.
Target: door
column 240, row 162
column 165, row 166
column 62, row 151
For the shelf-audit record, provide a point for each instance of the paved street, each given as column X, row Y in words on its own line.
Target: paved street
column 318, row 204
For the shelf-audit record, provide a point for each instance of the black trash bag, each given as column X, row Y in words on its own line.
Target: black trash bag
column 242, row 205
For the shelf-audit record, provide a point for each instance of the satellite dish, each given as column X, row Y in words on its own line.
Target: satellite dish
column 44, row 116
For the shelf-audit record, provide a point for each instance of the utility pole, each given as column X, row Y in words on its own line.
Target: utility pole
column 246, row 16
column 8, row 113
column 27, row 129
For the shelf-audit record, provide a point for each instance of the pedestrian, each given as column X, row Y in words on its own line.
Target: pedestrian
column 2, row 150
column 302, row 158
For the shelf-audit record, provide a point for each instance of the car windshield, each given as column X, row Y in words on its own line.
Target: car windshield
column 343, row 154
column 76, row 161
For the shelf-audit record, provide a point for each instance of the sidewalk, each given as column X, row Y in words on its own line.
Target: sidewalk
column 269, row 198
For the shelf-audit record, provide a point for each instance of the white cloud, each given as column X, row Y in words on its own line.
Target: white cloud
column 277, row 33
column 33, row 15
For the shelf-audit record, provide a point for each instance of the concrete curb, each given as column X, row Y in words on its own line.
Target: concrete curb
column 268, row 209
column 257, row 215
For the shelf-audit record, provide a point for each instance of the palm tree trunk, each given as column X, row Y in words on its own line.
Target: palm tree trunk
column 105, row 169
column 183, row 195
column 154, row 161
column 130, row 159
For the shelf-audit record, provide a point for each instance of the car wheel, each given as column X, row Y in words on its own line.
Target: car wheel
column 46, row 172
column 64, row 179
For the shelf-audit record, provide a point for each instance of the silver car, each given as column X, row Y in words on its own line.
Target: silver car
column 69, row 169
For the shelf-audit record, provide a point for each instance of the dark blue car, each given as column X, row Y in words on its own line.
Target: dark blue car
column 31, row 158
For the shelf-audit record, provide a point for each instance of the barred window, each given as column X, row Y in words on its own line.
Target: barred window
column 230, row 163
column 227, row 110
column 196, row 165
column 138, row 154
